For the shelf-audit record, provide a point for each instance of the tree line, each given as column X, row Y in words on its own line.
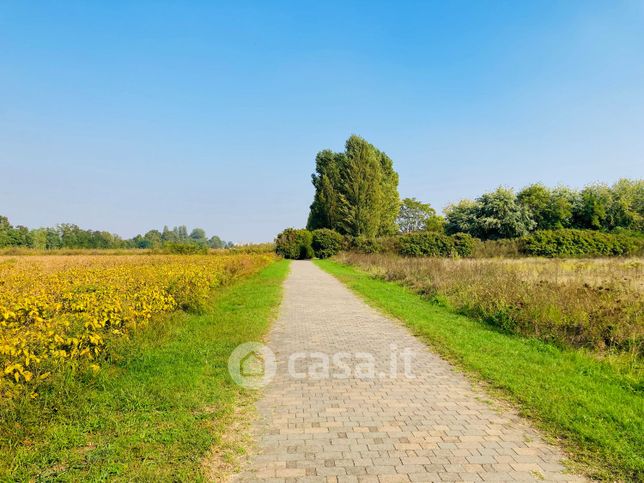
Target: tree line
column 356, row 194
column 67, row 235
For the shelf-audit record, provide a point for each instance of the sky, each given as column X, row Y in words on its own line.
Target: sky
column 127, row 116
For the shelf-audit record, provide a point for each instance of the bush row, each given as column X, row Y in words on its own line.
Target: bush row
column 323, row 243
column 575, row 243
column 304, row 244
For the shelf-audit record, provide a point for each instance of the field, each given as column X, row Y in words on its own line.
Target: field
column 582, row 390
column 597, row 304
column 104, row 356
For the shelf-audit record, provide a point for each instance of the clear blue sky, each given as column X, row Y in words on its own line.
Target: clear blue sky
column 127, row 116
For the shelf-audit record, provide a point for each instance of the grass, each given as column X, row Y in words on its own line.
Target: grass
column 594, row 411
column 593, row 303
column 164, row 408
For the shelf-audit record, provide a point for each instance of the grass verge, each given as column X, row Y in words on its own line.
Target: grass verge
column 595, row 412
column 157, row 409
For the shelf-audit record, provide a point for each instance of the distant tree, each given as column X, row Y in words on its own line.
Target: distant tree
column 627, row 206
column 53, row 238
column 216, row 242
column 152, row 239
column 198, row 235
column 414, row 215
column 461, row 217
column 6, row 232
column 550, row 209
column 181, row 233
column 168, row 235
column 592, row 208
column 39, row 238
column 500, row 216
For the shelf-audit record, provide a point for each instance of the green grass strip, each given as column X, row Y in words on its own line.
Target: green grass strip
column 594, row 412
column 154, row 412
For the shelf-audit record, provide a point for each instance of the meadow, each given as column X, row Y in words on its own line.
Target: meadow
column 95, row 348
column 596, row 304
column 560, row 339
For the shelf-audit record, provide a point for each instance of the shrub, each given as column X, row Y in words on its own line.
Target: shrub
column 571, row 242
column 326, row 242
column 183, row 248
column 426, row 244
column 464, row 244
column 294, row 244
column 366, row 245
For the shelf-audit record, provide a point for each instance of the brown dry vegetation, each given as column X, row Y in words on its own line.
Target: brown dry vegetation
column 596, row 304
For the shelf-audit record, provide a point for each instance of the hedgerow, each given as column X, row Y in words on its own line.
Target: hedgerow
column 295, row 244
column 326, row 242
column 575, row 243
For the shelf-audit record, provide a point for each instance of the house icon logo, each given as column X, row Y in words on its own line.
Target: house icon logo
column 252, row 365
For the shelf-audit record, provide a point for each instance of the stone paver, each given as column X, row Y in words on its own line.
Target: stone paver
column 433, row 427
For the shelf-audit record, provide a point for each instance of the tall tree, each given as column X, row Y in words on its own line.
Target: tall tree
column 361, row 193
column 356, row 192
column 326, row 179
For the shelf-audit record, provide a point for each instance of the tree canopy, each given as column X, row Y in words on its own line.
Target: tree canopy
column 67, row 235
column 356, row 191
column 414, row 215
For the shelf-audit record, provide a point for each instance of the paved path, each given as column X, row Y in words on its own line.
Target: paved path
column 435, row 427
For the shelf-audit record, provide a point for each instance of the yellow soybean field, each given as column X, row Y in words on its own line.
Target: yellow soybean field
column 62, row 312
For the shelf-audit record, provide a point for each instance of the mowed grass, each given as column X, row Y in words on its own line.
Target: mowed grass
column 163, row 409
column 594, row 411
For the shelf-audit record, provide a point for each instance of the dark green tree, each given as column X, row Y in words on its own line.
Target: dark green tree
column 500, row 216
column 356, row 192
column 550, row 209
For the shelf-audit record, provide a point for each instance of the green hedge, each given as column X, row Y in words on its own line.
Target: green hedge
column 326, row 242
column 294, row 244
column 577, row 243
column 426, row 244
column 464, row 244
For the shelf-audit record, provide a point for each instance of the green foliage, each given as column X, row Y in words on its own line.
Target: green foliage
column 492, row 216
column 326, row 242
column 464, row 244
column 575, row 243
column 426, row 244
column 67, row 235
column 184, row 248
column 500, row 216
column 414, row 215
column 294, row 244
column 356, row 192
column 627, row 207
column 363, row 244
column 550, row 209
column 592, row 207
column 461, row 217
